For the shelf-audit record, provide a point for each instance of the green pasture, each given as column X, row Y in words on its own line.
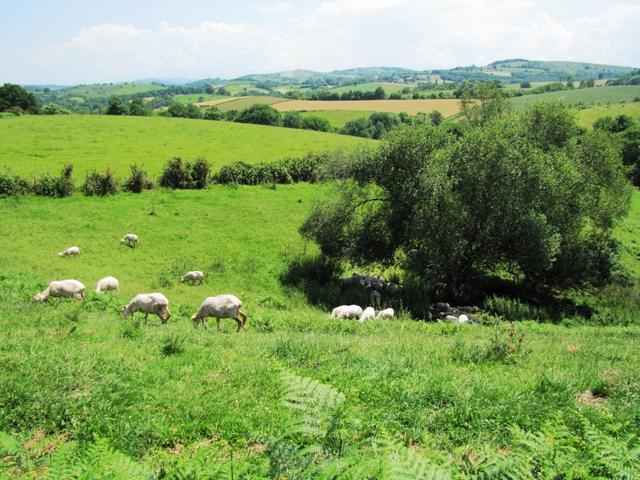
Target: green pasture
column 595, row 96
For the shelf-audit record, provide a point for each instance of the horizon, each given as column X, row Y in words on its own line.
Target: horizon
column 88, row 42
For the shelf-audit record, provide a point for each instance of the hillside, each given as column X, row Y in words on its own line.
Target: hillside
column 32, row 145
column 584, row 96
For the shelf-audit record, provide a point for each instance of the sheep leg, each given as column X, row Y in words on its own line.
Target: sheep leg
column 243, row 316
column 239, row 322
column 218, row 322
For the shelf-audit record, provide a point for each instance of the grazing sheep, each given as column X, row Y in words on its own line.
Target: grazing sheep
column 219, row 307
column 368, row 314
column 386, row 313
column 149, row 303
column 107, row 283
column 62, row 288
column 130, row 239
column 463, row 319
column 346, row 311
column 195, row 276
column 70, row 252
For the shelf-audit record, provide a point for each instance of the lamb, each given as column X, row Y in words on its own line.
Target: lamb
column 69, row 252
column 130, row 239
column 149, row 303
column 107, row 283
column 195, row 276
column 368, row 314
column 62, row 288
column 219, row 307
column 346, row 311
column 386, row 313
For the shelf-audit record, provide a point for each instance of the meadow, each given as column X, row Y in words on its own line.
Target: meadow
column 33, row 145
column 196, row 97
column 176, row 400
column 446, row 107
column 337, row 118
column 587, row 96
column 370, row 87
column 240, row 103
column 588, row 116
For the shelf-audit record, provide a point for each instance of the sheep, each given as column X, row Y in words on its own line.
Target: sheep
column 154, row 303
column 195, row 276
column 463, row 319
column 107, row 283
column 130, row 240
column 346, row 312
column 62, row 288
column 368, row 314
column 386, row 313
column 219, row 307
column 70, row 251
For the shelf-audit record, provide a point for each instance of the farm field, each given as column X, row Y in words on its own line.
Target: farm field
column 240, row 103
column 79, row 372
column 33, row 145
column 101, row 91
column 587, row 96
column 197, row 97
column 412, row 107
column 588, row 116
column 370, row 87
column 337, row 118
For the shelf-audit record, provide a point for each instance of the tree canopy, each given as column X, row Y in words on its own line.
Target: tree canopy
column 15, row 97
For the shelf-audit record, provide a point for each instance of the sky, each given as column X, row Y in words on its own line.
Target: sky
column 76, row 41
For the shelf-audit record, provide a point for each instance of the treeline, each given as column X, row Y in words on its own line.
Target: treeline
column 627, row 132
column 177, row 174
column 632, row 78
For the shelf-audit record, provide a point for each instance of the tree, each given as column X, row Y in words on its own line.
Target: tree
column 181, row 110
column 259, row 113
column 213, row 113
column 436, row 117
column 379, row 94
column 137, row 107
column 447, row 208
column 525, row 85
column 481, row 102
column 116, row 106
column 14, row 96
column 292, row 120
column 316, row 123
column 54, row 109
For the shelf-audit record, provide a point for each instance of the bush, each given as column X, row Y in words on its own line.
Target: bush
column 286, row 170
column 213, row 113
column 259, row 114
column 15, row 185
column 292, row 120
column 237, row 172
column 101, row 184
column 138, row 181
column 179, row 174
column 54, row 109
column 316, row 123
column 512, row 309
column 49, row 186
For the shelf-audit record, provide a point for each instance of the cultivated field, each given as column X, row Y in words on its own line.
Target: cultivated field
column 337, row 118
column 240, row 103
column 32, row 145
column 412, row 107
column 370, row 87
column 77, row 371
column 197, row 97
column 587, row 96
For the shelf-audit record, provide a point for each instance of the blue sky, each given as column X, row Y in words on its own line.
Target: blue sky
column 88, row 41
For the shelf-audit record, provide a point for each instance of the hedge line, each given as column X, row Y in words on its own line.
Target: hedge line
column 177, row 174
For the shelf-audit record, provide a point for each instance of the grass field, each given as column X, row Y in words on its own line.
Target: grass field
column 79, row 372
column 197, row 97
column 32, row 145
column 104, row 90
column 337, row 118
column 587, row 116
column 226, row 104
column 587, row 96
column 370, row 87
column 412, row 107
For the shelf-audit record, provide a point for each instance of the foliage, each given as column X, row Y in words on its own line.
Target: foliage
column 617, row 125
column 49, row 186
column 100, row 184
column 54, row 109
column 138, row 108
column 138, row 180
column 292, row 120
column 213, row 113
column 181, row 110
column 481, row 102
column 13, row 185
column 117, row 106
column 316, row 123
column 513, row 309
column 259, row 114
column 286, row 170
column 15, row 97
column 518, row 192
column 179, row 174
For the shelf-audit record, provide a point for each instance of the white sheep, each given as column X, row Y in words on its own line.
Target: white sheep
column 346, row 312
column 70, row 251
column 368, row 314
column 463, row 319
column 107, row 283
column 62, row 288
column 149, row 303
column 219, row 307
column 195, row 276
column 130, row 239
column 386, row 313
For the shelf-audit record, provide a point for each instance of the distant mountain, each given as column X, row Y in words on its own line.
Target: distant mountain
column 165, row 81
column 290, row 76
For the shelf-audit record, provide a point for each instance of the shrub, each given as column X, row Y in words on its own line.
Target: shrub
column 138, row 181
column 259, row 114
column 172, row 345
column 101, row 184
column 512, row 309
column 292, row 120
column 286, row 170
column 54, row 109
column 176, row 174
column 15, row 185
column 49, row 186
column 237, row 172
column 213, row 113
column 200, row 171
column 316, row 123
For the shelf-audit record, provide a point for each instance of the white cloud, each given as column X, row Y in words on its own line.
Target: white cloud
column 276, row 7
column 337, row 34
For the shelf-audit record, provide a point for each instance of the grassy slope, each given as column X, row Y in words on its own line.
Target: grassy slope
column 74, row 368
column 588, row 96
column 196, row 97
column 32, row 145
column 240, row 103
column 100, row 91
column 587, row 116
column 370, row 87
column 628, row 233
column 337, row 118
column 447, row 107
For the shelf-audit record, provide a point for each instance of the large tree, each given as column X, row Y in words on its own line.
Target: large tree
column 527, row 193
column 14, row 96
